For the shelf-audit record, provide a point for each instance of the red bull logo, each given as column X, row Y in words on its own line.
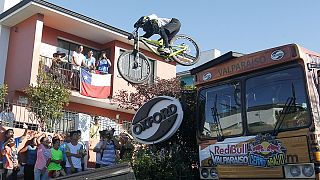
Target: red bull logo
column 266, row 151
column 266, row 148
column 263, row 151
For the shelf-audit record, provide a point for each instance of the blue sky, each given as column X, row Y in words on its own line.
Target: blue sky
column 227, row 25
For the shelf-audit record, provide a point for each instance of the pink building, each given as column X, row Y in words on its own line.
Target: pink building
column 32, row 30
column 35, row 29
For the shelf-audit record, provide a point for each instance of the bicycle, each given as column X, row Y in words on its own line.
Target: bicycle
column 135, row 67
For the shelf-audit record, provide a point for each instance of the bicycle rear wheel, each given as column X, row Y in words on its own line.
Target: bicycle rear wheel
column 190, row 55
column 134, row 67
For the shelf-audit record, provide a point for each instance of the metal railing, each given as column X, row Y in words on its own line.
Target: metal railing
column 62, row 71
column 15, row 115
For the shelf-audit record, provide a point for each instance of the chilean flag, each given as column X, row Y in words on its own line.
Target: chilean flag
column 95, row 85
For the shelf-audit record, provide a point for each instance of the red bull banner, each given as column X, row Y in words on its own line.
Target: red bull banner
column 260, row 151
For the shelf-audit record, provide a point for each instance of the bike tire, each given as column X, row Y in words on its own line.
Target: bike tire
column 193, row 58
column 137, row 75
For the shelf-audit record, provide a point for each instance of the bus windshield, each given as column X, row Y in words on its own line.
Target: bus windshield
column 264, row 98
column 221, row 106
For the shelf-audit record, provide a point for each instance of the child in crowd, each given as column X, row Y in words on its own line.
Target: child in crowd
column 11, row 165
column 55, row 169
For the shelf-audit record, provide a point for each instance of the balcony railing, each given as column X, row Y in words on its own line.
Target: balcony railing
column 61, row 71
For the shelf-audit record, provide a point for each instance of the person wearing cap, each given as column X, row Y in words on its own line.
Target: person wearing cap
column 108, row 148
column 56, row 66
column 58, row 57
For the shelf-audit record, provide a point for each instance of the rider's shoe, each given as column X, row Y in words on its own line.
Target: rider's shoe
column 165, row 51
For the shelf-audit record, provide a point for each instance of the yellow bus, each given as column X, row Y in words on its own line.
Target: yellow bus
column 258, row 115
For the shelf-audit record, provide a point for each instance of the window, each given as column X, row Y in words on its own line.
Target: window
column 221, row 108
column 68, row 48
column 267, row 98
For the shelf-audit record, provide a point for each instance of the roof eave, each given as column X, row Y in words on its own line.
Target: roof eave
column 25, row 3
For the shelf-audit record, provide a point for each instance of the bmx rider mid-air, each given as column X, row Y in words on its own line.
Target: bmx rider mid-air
column 166, row 28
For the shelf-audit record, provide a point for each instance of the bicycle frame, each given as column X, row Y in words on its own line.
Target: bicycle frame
column 153, row 45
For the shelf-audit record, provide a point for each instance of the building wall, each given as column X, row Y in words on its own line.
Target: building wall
column 50, row 36
column 4, row 37
column 23, row 53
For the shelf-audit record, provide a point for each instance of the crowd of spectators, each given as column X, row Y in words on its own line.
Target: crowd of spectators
column 60, row 67
column 89, row 62
column 58, row 155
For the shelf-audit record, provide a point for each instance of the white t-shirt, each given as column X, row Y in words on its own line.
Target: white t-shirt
column 98, row 154
column 91, row 61
column 161, row 21
column 78, row 59
column 74, row 150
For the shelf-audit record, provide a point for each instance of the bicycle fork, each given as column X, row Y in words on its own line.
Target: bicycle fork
column 136, row 64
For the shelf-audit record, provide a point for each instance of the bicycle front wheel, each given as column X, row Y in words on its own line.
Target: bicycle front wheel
column 134, row 67
column 187, row 50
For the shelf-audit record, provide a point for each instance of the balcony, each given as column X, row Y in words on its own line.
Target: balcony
column 61, row 71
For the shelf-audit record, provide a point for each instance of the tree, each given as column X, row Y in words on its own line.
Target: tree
column 145, row 92
column 3, row 92
column 176, row 157
column 48, row 98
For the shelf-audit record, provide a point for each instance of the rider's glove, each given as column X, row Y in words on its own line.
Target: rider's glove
column 130, row 36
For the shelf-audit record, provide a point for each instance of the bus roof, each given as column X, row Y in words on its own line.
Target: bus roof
column 233, row 63
column 221, row 59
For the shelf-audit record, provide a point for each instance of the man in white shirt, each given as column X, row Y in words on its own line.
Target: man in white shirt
column 74, row 154
column 166, row 28
column 78, row 60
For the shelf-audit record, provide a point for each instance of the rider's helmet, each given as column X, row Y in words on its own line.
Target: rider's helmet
column 141, row 22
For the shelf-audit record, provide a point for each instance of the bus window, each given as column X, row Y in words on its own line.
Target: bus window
column 221, row 111
column 266, row 97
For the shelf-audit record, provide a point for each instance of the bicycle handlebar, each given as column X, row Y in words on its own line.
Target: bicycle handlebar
column 133, row 34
